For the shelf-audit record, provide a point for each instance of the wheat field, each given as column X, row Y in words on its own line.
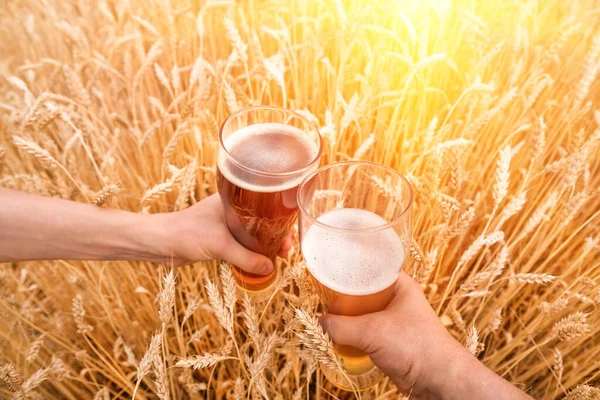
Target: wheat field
column 491, row 109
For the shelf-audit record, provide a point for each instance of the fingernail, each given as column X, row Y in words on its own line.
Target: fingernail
column 265, row 269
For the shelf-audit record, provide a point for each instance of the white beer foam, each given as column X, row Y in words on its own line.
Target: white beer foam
column 353, row 263
column 267, row 157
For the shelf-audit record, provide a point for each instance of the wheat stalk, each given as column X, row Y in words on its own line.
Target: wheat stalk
column 161, row 189
column 571, row 327
column 250, row 320
column 167, row 299
column 79, row 315
column 590, row 70
column 430, row 133
column 161, row 76
column 388, row 190
column 154, row 52
column 540, row 214
column 176, row 78
column 196, row 336
column 539, row 140
column 158, row 106
column 364, row 148
column 229, row 287
column 162, row 381
column 48, row 117
column 426, row 269
column 583, row 392
column 533, row 278
column 175, row 139
column 457, row 318
column 416, row 252
column 56, row 368
column 188, row 186
column 222, row 312
column 275, row 68
column 230, row 98
column 236, row 41
column 514, row 206
column 107, row 193
column 502, row 175
column 328, row 130
column 554, row 307
column 34, row 149
column 465, row 219
column 192, row 305
column 145, row 364
column 146, row 361
column 314, row 339
column 557, row 364
column 350, row 112
column 478, row 244
column 34, row 349
column 495, row 321
column 76, row 87
column 239, row 392
column 10, row 378
column 474, row 294
column 34, row 113
column 258, row 365
column 201, row 362
column 472, row 341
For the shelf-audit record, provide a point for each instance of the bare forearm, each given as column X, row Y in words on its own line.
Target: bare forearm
column 465, row 377
column 34, row 228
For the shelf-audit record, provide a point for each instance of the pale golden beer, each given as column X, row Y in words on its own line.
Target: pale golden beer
column 354, row 274
column 265, row 153
column 354, row 237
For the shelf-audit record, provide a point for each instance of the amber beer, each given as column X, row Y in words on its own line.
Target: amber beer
column 353, row 272
column 259, row 170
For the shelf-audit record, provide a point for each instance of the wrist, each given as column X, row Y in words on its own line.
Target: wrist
column 460, row 375
column 448, row 372
column 157, row 238
column 141, row 237
column 456, row 374
column 445, row 378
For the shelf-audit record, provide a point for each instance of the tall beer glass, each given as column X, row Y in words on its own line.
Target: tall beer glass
column 264, row 154
column 355, row 230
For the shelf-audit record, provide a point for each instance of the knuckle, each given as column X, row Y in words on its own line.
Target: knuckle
column 372, row 337
column 412, row 284
column 219, row 242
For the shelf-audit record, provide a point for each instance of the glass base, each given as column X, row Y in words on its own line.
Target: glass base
column 351, row 382
column 264, row 294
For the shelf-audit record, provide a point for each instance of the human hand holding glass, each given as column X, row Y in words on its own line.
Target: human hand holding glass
column 354, row 235
column 408, row 342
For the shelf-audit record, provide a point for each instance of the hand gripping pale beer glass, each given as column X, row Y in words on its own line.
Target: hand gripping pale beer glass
column 355, row 232
column 264, row 154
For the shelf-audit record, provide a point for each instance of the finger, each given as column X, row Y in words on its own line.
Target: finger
column 245, row 259
column 405, row 288
column 286, row 245
column 406, row 284
column 346, row 331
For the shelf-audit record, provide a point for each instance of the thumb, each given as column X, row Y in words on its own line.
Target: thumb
column 245, row 259
column 346, row 331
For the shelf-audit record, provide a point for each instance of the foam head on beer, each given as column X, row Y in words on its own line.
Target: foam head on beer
column 270, row 148
column 348, row 261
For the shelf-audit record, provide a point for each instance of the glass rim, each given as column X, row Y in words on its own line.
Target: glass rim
column 387, row 225
column 232, row 159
